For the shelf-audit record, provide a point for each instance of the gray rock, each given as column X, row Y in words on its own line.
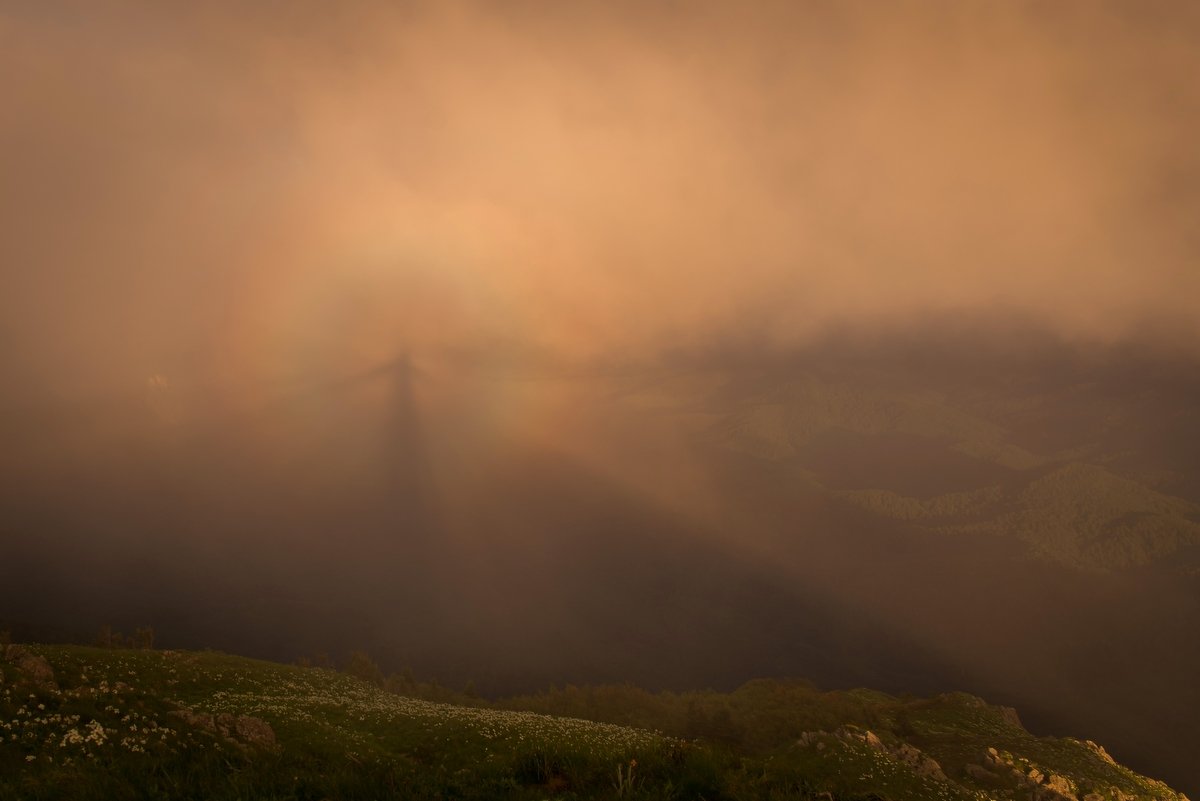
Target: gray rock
column 809, row 737
column 994, row 761
column 1055, row 788
column 254, row 731
column 980, row 773
column 921, row 763
column 241, row 729
column 34, row 667
column 1099, row 751
column 1060, row 784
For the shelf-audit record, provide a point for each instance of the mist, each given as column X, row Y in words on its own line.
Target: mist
column 249, row 192
column 672, row 343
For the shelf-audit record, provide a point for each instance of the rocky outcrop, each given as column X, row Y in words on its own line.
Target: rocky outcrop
column 32, row 667
column 921, row 763
column 981, row 774
column 254, row 731
column 1029, row 781
column 1099, row 751
column 240, row 729
column 910, row 755
column 1001, row 767
column 1057, row 788
column 1010, row 716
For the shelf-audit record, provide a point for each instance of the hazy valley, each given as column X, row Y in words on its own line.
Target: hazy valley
column 845, row 514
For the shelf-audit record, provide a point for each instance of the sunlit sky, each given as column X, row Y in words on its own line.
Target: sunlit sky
column 280, row 187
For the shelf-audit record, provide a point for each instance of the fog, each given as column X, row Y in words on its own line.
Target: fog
column 537, row 342
column 289, row 188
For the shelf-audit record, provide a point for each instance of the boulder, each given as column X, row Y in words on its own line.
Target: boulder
column 912, row 756
column 921, row 763
column 1055, row 788
column 980, row 773
column 35, row 668
column 1060, row 784
column 254, row 731
column 810, row 737
column 994, row 761
column 240, row 729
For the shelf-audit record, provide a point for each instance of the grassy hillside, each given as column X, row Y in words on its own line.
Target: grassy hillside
column 1072, row 482
column 88, row 723
column 1080, row 516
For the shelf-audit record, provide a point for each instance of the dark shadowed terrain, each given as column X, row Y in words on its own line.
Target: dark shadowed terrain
column 1018, row 522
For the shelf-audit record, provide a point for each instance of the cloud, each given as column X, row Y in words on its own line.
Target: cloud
column 244, row 190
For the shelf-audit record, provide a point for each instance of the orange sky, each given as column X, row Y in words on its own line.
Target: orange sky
column 295, row 184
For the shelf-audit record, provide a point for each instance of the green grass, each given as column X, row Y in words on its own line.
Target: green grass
column 338, row 737
column 111, row 729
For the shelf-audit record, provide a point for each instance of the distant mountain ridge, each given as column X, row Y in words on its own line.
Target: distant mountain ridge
column 963, row 461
